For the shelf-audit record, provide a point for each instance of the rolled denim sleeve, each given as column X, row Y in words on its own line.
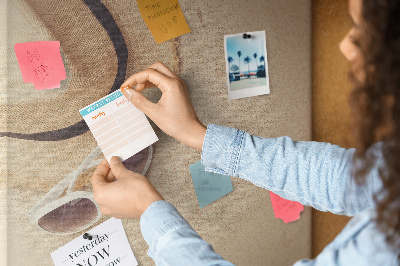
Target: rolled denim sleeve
column 313, row 173
column 172, row 241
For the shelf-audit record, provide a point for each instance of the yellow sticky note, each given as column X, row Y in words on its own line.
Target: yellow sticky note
column 164, row 18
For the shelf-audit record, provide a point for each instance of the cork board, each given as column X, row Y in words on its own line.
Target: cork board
column 102, row 43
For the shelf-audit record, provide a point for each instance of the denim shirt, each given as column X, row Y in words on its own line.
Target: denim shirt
column 312, row 173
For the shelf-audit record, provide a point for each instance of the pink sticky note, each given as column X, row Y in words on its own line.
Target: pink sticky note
column 284, row 209
column 41, row 63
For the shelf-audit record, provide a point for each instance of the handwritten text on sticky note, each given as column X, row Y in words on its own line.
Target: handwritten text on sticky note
column 41, row 63
column 284, row 209
column 209, row 186
column 164, row 18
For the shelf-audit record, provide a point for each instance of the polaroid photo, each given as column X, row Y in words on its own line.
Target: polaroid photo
column 246, row 64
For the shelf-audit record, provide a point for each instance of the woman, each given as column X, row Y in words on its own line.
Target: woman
column 363, row 183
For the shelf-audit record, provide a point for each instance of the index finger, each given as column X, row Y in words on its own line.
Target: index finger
column 157, row 78
column 160, row 67
column 100, row 174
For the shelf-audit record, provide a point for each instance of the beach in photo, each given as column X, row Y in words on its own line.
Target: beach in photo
column 246, row 64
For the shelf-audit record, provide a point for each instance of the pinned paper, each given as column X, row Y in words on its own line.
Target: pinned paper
column 284, row 209
column 108, row 246
column 164, row 18
column 41, row 63
column 241, row 49
column 118, row 126
column 209, row 186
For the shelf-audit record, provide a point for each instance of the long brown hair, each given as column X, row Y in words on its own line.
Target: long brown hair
column 376, row 105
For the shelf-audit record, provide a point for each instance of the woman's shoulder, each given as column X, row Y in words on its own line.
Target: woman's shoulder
column 362, row 240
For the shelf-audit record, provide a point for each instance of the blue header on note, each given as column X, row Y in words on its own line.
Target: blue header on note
column 101, row 102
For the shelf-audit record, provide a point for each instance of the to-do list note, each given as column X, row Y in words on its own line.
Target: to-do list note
column 118, row 126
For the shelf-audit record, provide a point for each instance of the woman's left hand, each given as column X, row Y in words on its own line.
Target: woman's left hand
column 120, row 192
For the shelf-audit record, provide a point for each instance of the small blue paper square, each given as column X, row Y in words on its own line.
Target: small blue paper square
column 209, row 186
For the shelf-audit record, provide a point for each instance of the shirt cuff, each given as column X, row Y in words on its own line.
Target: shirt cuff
column 158, row 219
column 222, row 148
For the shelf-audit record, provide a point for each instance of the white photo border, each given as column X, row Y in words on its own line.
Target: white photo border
column 247, row 92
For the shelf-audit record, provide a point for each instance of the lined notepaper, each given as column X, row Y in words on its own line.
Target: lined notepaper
column 118, row 126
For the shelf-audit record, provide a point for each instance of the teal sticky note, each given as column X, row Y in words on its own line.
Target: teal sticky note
column 209, row 186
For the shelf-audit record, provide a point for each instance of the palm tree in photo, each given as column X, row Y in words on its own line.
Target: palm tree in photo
column 230, row 60
column 247, row 60
column 262, row 73
column 255, row 57
column 239, row 54
column 262, row 59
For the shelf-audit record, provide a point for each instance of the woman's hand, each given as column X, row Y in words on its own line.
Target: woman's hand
column 127, row 197
column 173, row 113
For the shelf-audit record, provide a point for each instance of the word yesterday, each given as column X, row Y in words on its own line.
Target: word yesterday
column 89, row 246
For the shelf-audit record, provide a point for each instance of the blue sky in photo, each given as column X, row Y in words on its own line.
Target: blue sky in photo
column 248, row 47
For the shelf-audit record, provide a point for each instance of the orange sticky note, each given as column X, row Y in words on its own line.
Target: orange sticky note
column 41, row 63
column 284, row 209
column 164, row 18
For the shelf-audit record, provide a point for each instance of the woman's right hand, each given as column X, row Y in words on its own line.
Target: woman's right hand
column 173, row 113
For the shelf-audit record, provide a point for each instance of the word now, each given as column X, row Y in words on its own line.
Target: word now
column 92, row 260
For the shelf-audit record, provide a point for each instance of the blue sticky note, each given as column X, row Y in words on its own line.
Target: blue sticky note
column 209, row 186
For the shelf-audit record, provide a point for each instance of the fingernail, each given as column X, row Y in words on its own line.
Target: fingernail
column 125, row 88
column 129, row 92
column 115, row 160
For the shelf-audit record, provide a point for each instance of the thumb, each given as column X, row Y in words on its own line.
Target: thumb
column 139, row 101
column 99, row 175
column 117, row 167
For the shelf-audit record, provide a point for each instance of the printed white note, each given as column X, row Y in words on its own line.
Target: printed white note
column 108, row 247
column 118, row 126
